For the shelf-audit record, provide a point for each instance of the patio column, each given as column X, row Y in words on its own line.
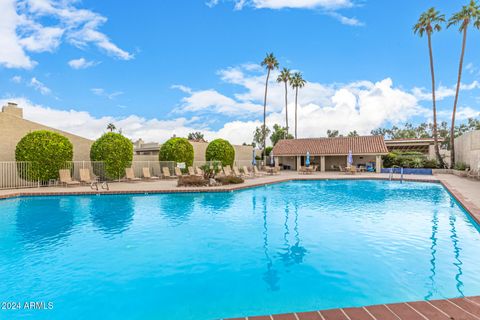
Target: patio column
column 378, row 163
column 299, row 162
column 322, row 163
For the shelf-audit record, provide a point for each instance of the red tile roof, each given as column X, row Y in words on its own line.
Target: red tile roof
column 331, row 146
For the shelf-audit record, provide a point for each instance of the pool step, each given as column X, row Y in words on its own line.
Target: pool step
column 467, row 308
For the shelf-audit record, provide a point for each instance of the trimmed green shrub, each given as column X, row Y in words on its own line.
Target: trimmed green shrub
column 47, row 151
column 178, row 150
column 408, row 160
column 462, row 166
column 220, row 150
column 116, row 153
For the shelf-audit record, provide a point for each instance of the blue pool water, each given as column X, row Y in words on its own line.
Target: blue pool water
column 294, row 246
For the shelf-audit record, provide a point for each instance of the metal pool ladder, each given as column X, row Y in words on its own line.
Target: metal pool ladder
column 390, row 177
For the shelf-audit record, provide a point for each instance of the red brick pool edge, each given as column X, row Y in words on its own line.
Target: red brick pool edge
column 467, row 308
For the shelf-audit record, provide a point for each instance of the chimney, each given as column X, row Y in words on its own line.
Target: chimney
column 12, row 109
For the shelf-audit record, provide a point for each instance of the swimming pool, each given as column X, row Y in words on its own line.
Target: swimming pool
column 294, row 246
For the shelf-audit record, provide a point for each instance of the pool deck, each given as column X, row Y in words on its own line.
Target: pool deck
column 449, row 309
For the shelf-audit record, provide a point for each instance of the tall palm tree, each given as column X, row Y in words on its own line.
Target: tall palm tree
column 297, row 82
column 429, row 22
column 285, row 77
column 469, row 14
column 270, row 63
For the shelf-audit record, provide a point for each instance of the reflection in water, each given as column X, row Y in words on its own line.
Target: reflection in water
column 112, row 217
column 292, row 254
column 217, row 203
column 433, row 248
column 54, row 224
column 456, row 249
column 271, row 275
column 177, row 208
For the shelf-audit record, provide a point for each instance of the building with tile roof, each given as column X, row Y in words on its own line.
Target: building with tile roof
column 330, row 153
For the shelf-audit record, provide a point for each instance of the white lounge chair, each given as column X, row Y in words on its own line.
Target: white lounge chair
column 147, row 175
column 130, row 175
column 66, row 178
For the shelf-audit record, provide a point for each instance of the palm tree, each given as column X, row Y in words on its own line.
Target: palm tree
column 111, row 127
column 297, row 82
column 285, row 77
column 270, row 63
column 468, row 14
column 429, row 22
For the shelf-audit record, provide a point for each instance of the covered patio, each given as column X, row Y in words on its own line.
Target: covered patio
column 330, row 154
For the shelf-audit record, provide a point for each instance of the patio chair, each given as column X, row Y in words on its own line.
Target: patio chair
column 257, row 172
column 85, row 177
column 474, row 174
column 178, row 171
column 66, row 178
column 247, row 173
column 227, row 171
column 130, row 175
column 237, row 172
column 351, row 170
column 302, row 170
column 166, row 173
column 147, row 175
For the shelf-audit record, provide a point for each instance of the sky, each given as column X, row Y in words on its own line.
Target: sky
column 159, row 68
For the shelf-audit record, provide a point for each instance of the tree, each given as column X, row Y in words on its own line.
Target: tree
column 259, row 136
column 270, row 63
column 279, row 133
column 47, row 152
column 429, row 22
column 297, row 82
column 353, row 133
column 115, row 152
column 220, row 150
column 468, row 14
column 111, row 127
column 333, row 133
column 285, row 77
column 195, row 136
column 178, row 150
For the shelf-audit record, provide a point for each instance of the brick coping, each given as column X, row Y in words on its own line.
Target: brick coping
column 465, row 308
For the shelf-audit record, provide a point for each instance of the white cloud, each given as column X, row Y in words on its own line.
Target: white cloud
column 443, row 92
column 16, row 79
column 134, row 127
column 42, row 25
column 463, row 113
column 39, row 86
column 81, row 63
column 330, row 7
column 102, row 93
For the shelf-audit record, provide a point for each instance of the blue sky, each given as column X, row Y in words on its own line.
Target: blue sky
column 162, row 67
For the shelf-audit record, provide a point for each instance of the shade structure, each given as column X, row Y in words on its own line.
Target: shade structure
column 254, row 160
column 307, row 160
column 350, row 158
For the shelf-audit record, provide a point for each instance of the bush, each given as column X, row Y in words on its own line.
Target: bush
column 115, row 151
column 178, row 150
column 407, row 160
column 220, row 150
column 47, row 151
column 460, row 166
column 224, row 180
column 191, row 181
column 431, row 164
column 210, row 171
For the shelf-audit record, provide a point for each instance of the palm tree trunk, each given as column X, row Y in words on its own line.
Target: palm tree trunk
column 435, row 134
column 286, row 107
column 296, row 112
column 452, row 129
column 264, row 131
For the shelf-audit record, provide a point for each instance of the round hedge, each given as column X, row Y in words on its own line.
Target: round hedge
column 115, row 151
column 47, row 151
column 220, row 150
column 178, row 150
